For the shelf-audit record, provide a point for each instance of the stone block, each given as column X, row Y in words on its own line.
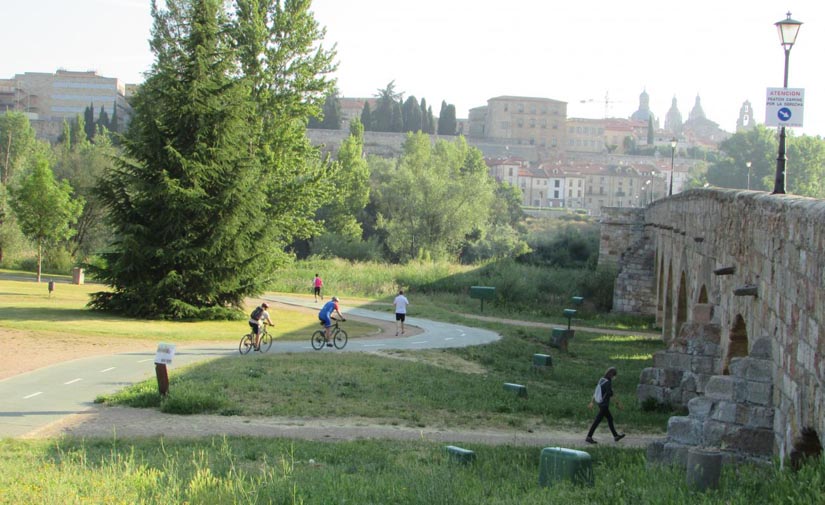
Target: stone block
column 737, row 367
column 661, row 359
column 713, row 432
column 680, row 361
column 725, row 412
column 753, row 441
column 755, row 417
column 700, row 407
column 688, row 383
column 650, row 376
column 759, row 393
column 684, row 430
column 702, row 382
column 703, row 313
column 701, row 364
column 672, row 378
column 725, row 388
column 645, row 391
column 759, row 370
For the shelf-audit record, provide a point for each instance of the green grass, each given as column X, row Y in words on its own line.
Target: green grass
column 28, row 306
column 253, row 470
column 522, row 291
column 434, row 388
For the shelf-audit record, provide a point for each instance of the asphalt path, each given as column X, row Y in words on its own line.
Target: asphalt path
column 35, row 399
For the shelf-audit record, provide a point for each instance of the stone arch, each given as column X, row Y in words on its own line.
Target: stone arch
column 681, row 303
column 660, row 299
column 668, row 296
column 737, row 343
column 805, row 446
column 703, row 295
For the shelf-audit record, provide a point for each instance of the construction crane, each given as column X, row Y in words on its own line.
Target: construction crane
column 607, row 102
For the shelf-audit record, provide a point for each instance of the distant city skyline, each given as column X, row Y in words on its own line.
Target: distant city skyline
column 465, row 53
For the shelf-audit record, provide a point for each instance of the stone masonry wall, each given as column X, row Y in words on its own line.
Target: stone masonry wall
column 773, row 250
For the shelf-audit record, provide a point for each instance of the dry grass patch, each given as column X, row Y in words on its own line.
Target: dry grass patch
column 437, row 358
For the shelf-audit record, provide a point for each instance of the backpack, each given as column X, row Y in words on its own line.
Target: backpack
column 257, row 313
column 597, row 394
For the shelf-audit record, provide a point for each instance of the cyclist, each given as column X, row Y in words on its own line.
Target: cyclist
column 324, row 315
column 256, row 318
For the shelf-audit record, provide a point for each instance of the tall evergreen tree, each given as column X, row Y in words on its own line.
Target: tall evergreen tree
column 430, row 120
column 447, row 124
column 114, row 121
column 103, row 119
column 412, row 115
column 366, row 117
column 425, row 120
column 382, row 118
column 397, row 121
column 89, row 121
column 218, row 174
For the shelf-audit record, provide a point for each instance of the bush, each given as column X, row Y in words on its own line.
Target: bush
column 598, row 287
column 333, row 245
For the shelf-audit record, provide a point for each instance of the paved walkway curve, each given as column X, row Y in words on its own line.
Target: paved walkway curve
column 35, row 399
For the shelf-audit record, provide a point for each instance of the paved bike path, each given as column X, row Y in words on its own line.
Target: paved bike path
column 34, row 399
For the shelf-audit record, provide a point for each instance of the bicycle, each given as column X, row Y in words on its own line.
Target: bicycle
column 336, row 334
column 248, row 341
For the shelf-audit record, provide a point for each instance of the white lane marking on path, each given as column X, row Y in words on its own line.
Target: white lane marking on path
column 33, row 395
column 449, row 338
column 108, row 369
column 145, row 360
column 421, row 342
column 72, row 382
column 374, row 345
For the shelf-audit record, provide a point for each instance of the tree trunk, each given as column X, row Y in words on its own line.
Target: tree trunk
column 39, row 259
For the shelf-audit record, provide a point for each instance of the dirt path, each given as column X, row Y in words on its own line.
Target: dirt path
column 123, row 422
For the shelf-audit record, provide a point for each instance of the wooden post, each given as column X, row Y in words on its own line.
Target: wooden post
column 163, row 378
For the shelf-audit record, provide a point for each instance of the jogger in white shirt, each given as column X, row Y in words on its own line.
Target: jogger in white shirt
column 400, row 304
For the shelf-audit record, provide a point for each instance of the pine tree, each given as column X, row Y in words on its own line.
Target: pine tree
column 446, row 120
column 412, row 115
column 89, row 121
column 425, row 120
column 114, row 121
column 366, row 117
column 103, row 119
column 218, row 174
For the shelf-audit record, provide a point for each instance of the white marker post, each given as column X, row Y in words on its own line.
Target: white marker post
column 163, row 357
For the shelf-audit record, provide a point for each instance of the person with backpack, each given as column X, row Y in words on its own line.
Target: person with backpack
column 601, row 396
column 256, row 318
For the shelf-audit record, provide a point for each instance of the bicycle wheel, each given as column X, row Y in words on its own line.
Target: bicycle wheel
column 318, row 340
column 246, row 344
column 266, row 342
column 340, row 339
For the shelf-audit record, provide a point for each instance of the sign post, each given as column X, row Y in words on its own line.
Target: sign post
column 163, row 357
column 784, row 107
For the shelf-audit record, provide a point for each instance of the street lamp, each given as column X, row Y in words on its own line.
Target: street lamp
column 788, row 30
column 748, row 164
column 672, row 155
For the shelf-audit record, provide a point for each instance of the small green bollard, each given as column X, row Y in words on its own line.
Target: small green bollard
column 518, row 389
column 461, row 455
column 542, row 360
column 559, row 464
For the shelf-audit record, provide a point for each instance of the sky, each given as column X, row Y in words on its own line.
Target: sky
column 596, row 55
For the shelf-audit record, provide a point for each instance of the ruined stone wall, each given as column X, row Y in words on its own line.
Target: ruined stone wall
column 759, row 260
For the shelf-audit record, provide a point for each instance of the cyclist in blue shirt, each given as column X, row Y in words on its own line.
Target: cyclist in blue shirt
column 324, row 315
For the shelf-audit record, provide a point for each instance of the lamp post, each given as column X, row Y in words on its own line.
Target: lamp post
column 672, row 155
column 748, row 164
column 788, row 30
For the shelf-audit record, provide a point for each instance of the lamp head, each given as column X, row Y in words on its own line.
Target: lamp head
column 673, row 143
column 788, row 30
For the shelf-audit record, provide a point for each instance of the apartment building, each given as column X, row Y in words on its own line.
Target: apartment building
column 526, row 120
column 585, row 135
column 48, row 98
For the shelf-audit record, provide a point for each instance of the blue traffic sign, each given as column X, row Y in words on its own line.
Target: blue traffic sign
column 784, row 114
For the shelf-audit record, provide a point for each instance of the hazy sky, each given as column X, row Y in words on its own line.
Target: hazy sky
column 464, row 52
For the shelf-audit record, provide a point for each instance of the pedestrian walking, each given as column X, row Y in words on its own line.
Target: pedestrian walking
column 400, row 303
column 601, row 396
column 317, row 283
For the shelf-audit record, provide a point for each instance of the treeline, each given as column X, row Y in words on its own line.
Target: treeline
column 391, row 113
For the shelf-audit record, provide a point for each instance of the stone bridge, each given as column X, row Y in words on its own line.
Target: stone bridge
column 736, row 281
